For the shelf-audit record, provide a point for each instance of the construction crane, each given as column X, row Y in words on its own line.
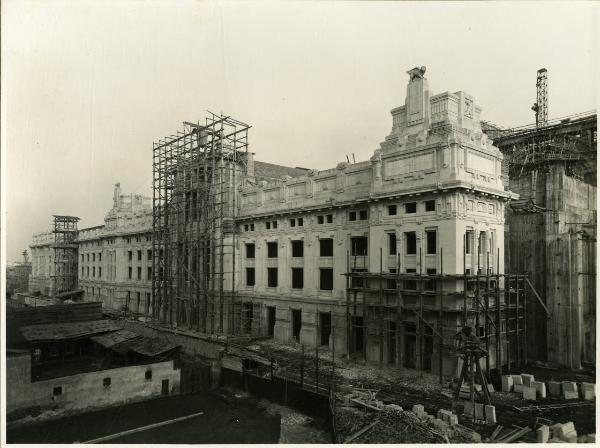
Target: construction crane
column 25, row 256
column 540, row 107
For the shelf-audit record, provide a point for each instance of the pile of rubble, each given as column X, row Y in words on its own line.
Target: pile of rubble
column 364, row 419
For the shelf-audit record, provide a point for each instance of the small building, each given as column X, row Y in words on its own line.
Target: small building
column 62, row 358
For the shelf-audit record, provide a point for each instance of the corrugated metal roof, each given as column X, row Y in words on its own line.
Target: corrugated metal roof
column 67, row 330
column 110, row 339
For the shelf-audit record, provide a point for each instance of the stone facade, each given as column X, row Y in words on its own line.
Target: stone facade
column 115, row 260
column 435, row 179
column 42, row 263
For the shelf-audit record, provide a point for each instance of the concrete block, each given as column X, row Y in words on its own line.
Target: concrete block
column 477, row 387
column 543, row 434
column 555, row 429
column 554, row 388
column 570, row 391
column 490, row 388
column 529, row 393
column 418, row 409
column 453, row 420
column 517, row 379
column 527, row 379
column 507, row 383
column 570, row 437
column 479, row 411
column 540, row 388
column 588, row 390
column 490, row 415
column 444, row 415
column 564, row 429
column 468, row 411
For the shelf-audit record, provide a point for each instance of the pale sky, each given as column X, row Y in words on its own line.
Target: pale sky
column 87, row 86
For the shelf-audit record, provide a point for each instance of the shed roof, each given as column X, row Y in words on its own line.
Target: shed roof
column 145, row 346
column 109, row 340
column 66, row 330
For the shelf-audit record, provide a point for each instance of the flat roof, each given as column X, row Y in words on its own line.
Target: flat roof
column 110, row 339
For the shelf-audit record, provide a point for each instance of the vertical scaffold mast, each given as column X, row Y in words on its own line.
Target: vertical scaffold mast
column 540, row 107
column 64, row 250
column 195, row 178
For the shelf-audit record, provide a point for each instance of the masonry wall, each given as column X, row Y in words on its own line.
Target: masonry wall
column 86, row 390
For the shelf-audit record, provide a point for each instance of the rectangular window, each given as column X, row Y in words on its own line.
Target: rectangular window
column 250, row 277
column 411, row 207
column 149, row 273
column 430, row 206
column 88, row 257
column 392, row 210
column 292, row 222
column 363, row 215
column 326, row 279
column 326, row 247
column 297, row 278
column 272, row 277
column 130, row 255
column 274, row 224
column 329, row 219
column 57, row 391
column 139, row 255
column 246, row 227
column 139, row 273
column 430, row 285
column 82, row 258
column 298, row 248
column 149, row 254
column 391, row 283
column 352, row 216
column 252, row 227
column 99, row 271
column 468, row 241
column 392, row 243
column 99, row 256
column 250, row 250
column 268, row 225
column 320, row 219
column 359, row 246
column 431, row 241
column 93, row 257
column 300, row 222
column 88, row 271
column 106, row 382
column 410, row 284
column 148, row 375
column 411, row 243
column 357, row 281
column 272, row 249
column 93, row 271
column 130, row 271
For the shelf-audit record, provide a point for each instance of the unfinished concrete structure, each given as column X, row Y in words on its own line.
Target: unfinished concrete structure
column 115, row 259
column 552, row 231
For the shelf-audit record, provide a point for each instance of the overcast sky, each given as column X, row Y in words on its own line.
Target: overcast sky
column 89, row 85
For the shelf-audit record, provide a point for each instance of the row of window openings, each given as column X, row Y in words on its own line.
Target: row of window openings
column 138, row 239
column 106, row 382
column 325, row 278
column 299, row 222
column 129, row 255
column 411, row 207
column 129, row 274
column 359, row 246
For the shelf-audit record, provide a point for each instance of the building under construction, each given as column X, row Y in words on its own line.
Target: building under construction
column 195, row 175
column 383, row 260
column 551, row 231
column 54, row 259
